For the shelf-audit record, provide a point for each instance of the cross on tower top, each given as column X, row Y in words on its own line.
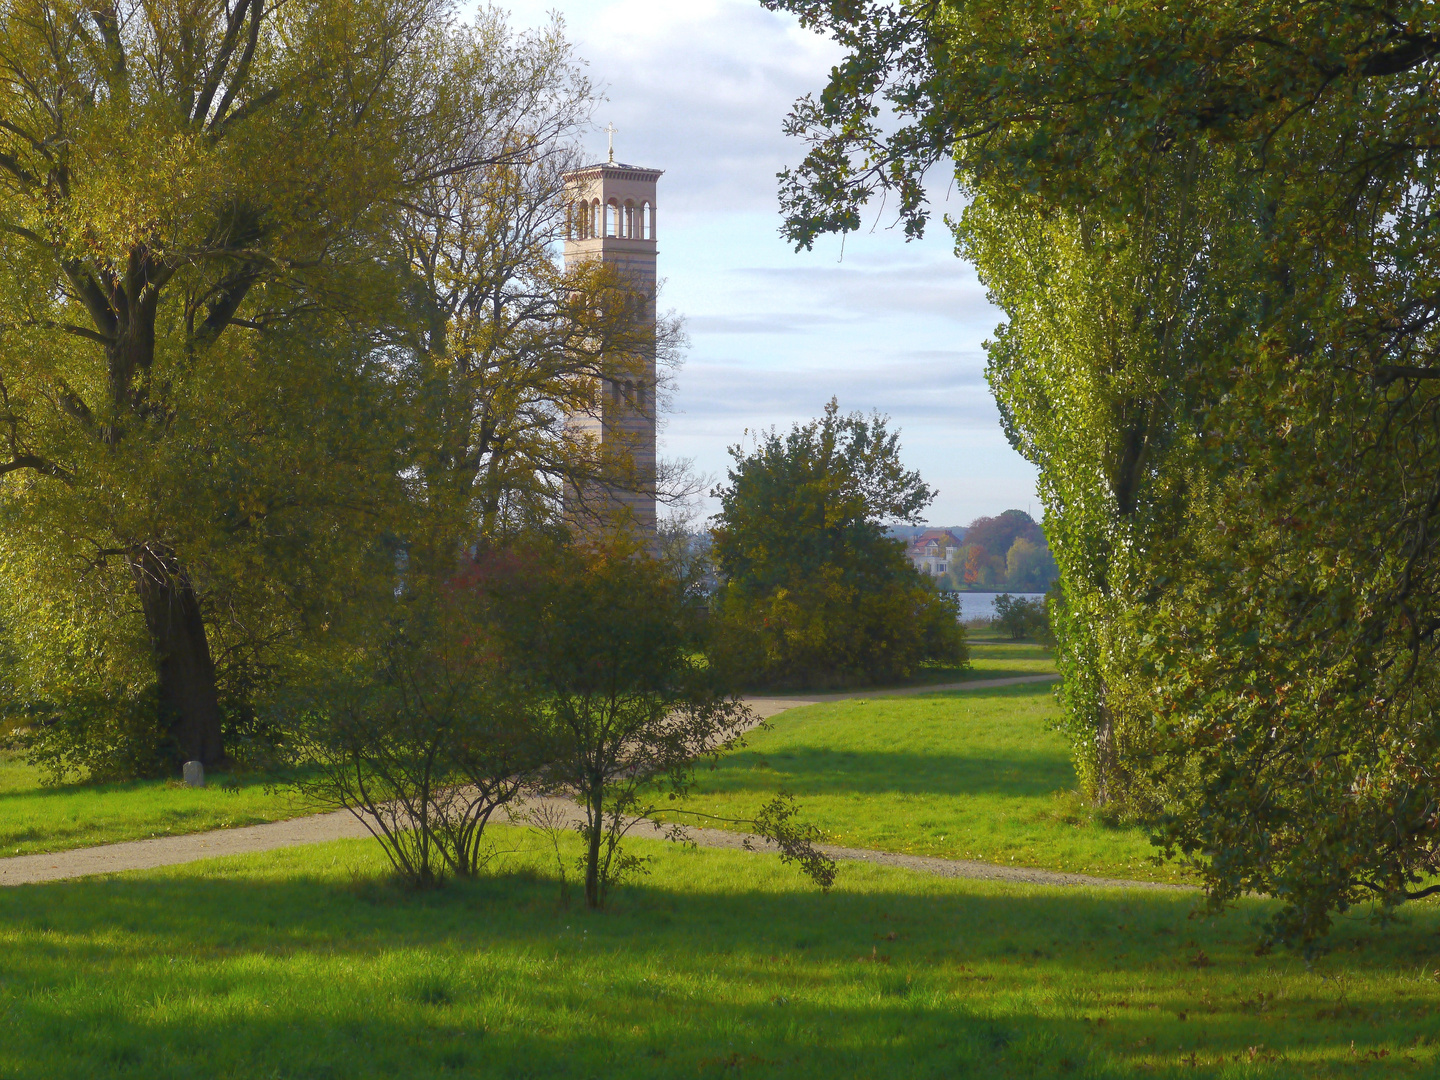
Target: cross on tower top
column 611, row 130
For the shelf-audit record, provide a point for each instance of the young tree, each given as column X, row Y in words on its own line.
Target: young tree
column 814, row 589
column 1021, row 618
column 612, row 644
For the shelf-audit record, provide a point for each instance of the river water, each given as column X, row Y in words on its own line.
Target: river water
column 981, row 605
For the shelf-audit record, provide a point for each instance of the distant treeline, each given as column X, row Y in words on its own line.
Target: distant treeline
column 1007, row 552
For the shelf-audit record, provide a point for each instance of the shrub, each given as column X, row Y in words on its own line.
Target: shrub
column 93, row 734
column 815, row 593
column 833, row 633
column 612, row 642
column 416, row 728
column 1021, row 617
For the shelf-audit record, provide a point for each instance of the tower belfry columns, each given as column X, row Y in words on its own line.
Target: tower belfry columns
column 611, row 217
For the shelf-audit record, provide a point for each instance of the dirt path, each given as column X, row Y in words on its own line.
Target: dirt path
column 341, row 825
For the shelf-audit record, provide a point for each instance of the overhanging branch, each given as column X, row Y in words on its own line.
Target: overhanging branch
column 36, row 463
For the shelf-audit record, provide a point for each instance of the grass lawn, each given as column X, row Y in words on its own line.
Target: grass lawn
column 35, row 818
column 974, row 774
column 993, row 655
column 306, row 963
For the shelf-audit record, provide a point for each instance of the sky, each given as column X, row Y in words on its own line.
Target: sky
column 700, row 89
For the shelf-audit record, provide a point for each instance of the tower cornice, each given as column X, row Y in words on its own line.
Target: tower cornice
column 614, row 170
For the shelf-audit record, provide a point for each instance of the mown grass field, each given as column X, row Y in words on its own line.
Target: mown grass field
column 312, row 963
column 994, row 655
column 35, row 818
column 307, row 963
column 38, row 818
column 974, row 774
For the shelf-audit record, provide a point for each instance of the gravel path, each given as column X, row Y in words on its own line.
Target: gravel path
column 341, row 825
column 170, row 850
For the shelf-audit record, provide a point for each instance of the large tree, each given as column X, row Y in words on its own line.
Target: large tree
column 510, row 345
column 1212, row 228
column 196, row 202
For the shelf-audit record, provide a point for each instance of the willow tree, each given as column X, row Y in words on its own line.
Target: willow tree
column 192, row 199
column 1213, row 229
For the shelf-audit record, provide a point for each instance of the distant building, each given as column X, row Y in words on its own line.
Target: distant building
column 934, row 551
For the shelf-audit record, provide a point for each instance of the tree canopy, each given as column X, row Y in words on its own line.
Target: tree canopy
column 814, row 588
column 1211, row 227
column 818, row 495
column 279, row 320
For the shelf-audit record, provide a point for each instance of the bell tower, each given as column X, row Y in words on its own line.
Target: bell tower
column 611, row 217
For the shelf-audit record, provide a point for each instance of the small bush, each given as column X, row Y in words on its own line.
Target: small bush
column 414, row 727
column 1022, row 618
column 87, row 734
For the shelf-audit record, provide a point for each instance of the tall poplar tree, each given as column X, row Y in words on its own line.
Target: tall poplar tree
column 1213, row 229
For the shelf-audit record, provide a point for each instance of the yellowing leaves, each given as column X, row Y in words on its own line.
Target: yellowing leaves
column 140, row 182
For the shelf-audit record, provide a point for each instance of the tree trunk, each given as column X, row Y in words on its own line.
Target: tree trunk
column 189, row 702
column 592, row 860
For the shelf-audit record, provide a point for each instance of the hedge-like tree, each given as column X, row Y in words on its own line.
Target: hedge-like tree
column 1213, row 229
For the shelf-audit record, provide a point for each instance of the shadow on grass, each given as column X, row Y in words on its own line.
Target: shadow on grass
column 313, row 977
column 805, row 771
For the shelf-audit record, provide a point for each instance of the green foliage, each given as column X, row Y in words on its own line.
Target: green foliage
column 195, row 197
column 1212, row 228
column 831, row 631
column 612, row 643
column 316, row 314
column 1029, row 567
column 89, row 734
column 413, row 725
column 1021, row 618
column 815, row 593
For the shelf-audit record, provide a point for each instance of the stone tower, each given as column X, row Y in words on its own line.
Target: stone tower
column 611, row 217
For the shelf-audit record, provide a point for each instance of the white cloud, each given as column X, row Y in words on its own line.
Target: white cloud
column 699, row 89
column 947, row 389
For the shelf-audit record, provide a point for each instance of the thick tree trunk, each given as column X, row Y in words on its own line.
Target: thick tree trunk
column 189, row 702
